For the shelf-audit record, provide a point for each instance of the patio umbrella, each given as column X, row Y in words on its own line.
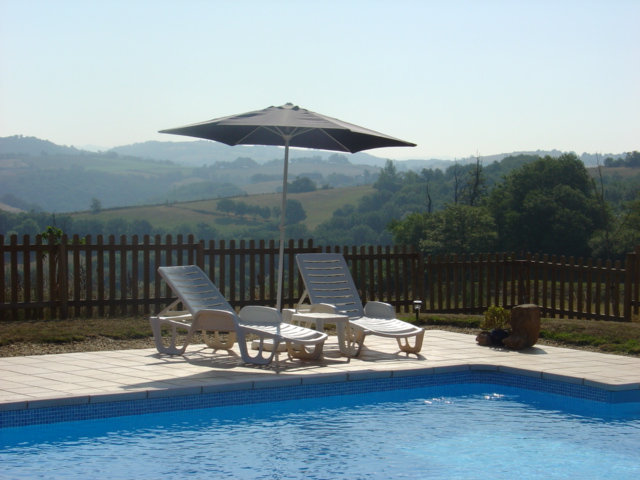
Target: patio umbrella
column 288, row 126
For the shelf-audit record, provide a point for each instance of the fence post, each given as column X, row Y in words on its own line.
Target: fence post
column 200, row 254
column 630, row 267
column 63, row 277
column 3, row 314
column 635, row 295
column 421, row 294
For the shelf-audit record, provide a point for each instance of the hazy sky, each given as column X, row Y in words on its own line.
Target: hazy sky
column 456, row 77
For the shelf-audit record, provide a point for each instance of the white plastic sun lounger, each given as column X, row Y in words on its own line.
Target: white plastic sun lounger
column 208, row 311
column 331, row 289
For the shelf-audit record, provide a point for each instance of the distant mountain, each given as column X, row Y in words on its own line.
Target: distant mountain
column 19, row 144
column 588, row 159
column 202, row 152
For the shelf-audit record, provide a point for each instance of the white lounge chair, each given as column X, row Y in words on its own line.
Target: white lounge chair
column 208, row 311
column 330, row 288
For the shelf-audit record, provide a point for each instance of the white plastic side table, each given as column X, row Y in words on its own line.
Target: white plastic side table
column 319, row 319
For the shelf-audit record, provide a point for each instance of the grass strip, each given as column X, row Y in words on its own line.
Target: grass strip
column 605, row 337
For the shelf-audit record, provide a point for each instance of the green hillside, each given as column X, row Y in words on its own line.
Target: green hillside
column 39, row 175
column 318, row 205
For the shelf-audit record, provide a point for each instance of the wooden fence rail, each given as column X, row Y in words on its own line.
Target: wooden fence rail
column 105, row 277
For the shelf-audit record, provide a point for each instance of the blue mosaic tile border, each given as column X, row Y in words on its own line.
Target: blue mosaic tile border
column 17, row 418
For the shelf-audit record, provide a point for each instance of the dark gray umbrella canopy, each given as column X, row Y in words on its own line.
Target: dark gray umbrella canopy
column 305, row 128
column 288, row 126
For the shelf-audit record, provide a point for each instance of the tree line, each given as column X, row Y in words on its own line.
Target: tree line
column 523, row 203
column 549, row 205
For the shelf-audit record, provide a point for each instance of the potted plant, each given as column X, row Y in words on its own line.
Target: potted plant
column 495, row 324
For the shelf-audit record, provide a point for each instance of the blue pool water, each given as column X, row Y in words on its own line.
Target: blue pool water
column 474, row 431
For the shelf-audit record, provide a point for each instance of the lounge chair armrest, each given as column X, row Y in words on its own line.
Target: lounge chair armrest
column 379, row 310
column 215, row 320
column 174, row 315
column 257, row 314
column 323, row 308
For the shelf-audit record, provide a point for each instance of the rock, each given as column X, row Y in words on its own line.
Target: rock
column 484, row 339
column 525, row 327
column 498, row 335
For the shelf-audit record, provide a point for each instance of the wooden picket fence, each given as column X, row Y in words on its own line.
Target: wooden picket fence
column 108, row 278
column 564, row 288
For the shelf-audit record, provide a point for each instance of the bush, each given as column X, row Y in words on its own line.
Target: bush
column 496, row 318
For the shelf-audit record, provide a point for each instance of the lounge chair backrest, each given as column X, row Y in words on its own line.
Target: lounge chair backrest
column 194, row 288
column 328, row 280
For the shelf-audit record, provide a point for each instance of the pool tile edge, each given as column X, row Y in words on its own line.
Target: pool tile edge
column 297, row 390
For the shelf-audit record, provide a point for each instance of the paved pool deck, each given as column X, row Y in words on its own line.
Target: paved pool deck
column 82, row 378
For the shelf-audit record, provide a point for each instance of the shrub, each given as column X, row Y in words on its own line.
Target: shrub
column 496, row 318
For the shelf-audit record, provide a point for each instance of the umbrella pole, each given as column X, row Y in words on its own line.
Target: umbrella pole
column 282, row 223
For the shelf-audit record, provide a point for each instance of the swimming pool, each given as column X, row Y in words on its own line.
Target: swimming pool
column 462, row 431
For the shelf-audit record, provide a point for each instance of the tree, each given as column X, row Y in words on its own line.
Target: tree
column 297, row 230
column 183, row 229
column 117, row 226
column 547, row 206
column 6, row 220
column 457, row 173
column 411, row 230
column 226, row 205
column 363, row 235
column 605, row 211
column 295, row 212
column 265, row 213
column 630, row 230
column 141, row 228
column 456, row 229
column 373, row 202
column 241, row 209
column 88, row 226
column 345, row 210
column 302, row 184
column 611, row 162
column 28, row 227
column 389, row 180
column 96, row 205
column 204, row 231
column 427, row 190
column 632, row 159
column 339, row 159
column 475, row 187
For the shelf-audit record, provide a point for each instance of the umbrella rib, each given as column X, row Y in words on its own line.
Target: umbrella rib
column 334, row 139
column 300, row 131
column 296, row 131
column 239, row 142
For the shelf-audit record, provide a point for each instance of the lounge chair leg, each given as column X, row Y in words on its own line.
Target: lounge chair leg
column 258, row 358
column 217, row 343
column 405, row 347
column 302, row 353
column 156, row 328
column 359, row 341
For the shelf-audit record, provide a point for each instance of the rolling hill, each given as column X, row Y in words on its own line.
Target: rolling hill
column 318, row 205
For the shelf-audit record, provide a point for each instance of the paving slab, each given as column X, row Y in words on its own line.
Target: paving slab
column 94, row 377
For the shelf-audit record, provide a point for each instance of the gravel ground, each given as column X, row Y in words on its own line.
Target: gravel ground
column 101, row 344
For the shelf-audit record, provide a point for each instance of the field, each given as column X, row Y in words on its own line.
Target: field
column 318, row 205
